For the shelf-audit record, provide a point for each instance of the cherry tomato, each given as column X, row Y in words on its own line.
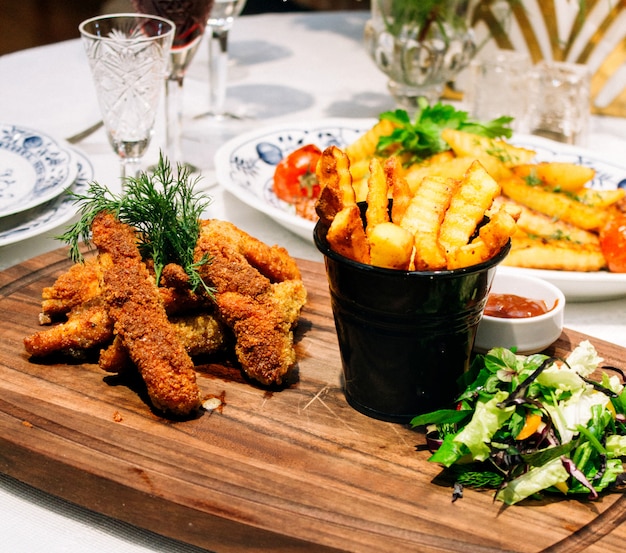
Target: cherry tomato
column 295, row 178
column 613, row 243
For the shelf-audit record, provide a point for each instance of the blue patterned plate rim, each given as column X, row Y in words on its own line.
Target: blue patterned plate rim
column 34, row 168
column 59, row 211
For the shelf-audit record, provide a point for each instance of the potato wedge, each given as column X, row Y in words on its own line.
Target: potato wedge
column 466, row 144
column 558, row 255
column 601, row 198
column 554, row 204
column 492, row 237
column 468, row 205
column 564, row 176
column 346, row 235
column 399, row 188
column 333, row 175
column 377, row 198
column 540, row 225
column 391, row 246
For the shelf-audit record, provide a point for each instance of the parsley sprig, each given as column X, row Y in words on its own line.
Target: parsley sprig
column 421, row 139
column 163, row 208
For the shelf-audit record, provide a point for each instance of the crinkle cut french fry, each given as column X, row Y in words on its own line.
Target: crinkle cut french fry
column 423, row 218
column 346, row 235
column 391, row 246
column 468, row 205
column 554, row 204
column 333, row 175
column 364, row 147
column 377, row 198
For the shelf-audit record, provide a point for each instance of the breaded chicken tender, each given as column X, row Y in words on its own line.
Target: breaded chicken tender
column 259, row 294
column 87, row 326
column 140, row 319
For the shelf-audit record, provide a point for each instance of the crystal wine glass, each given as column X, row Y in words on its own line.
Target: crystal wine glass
column 190, row 17
column 128, row 55
column 220, row 22
column 420, row 46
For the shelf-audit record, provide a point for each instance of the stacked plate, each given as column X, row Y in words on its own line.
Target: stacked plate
column 37, row 173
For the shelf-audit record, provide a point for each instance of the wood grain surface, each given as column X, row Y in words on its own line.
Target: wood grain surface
column 287, row 470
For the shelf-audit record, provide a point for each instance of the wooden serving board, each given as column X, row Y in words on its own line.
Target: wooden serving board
column 290, row 470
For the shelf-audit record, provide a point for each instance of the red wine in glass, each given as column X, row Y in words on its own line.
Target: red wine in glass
column 190, row 17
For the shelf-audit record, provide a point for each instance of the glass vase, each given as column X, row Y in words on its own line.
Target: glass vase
column 420, row 45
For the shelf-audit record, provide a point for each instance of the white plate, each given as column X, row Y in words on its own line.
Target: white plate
column 245, row 167
column 34, row 168
column 56, row 212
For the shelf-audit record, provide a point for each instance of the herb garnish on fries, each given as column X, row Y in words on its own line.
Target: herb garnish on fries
column 422, row 139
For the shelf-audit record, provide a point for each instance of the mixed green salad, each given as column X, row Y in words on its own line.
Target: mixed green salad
column 531, row 424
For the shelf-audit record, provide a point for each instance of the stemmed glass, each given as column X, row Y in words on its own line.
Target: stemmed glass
column 420, row 46
column 128, row 55
column 190, row 17
column 220, row 22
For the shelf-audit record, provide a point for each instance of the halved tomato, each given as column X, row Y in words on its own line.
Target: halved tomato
column 294, row 177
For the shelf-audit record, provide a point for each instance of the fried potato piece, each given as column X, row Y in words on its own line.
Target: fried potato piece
column 601, row 199
column 468, row 205
column 537, row 224
column 333, row 175
column 400, row 192
column 449, row 167
column 364, row 147
column 492, row 237
column 565, row 176
column 559, row 255
column 423, row 219
column 377, row 210
column 391, row 246
column 346, row 235
column 465, row 144
column 554, row 204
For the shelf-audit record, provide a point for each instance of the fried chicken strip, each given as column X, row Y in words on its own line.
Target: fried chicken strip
column 140, row 319
column 81, row 283
column 249, row 278
column 87, row 326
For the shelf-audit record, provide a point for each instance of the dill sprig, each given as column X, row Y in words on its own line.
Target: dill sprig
column 162, row 207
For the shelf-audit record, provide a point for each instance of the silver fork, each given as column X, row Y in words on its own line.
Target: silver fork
column 76, row 138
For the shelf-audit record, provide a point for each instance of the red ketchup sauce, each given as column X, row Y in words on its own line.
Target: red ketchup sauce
column 510, row 306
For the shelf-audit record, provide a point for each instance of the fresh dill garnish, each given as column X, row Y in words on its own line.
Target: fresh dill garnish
column 421, row 139
column 163, row 208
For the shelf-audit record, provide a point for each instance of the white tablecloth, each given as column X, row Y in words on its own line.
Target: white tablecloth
column 284, row 67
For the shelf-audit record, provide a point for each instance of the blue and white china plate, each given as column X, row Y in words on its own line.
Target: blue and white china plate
column 34, row 168
column 56, row 212
column 245, row 167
